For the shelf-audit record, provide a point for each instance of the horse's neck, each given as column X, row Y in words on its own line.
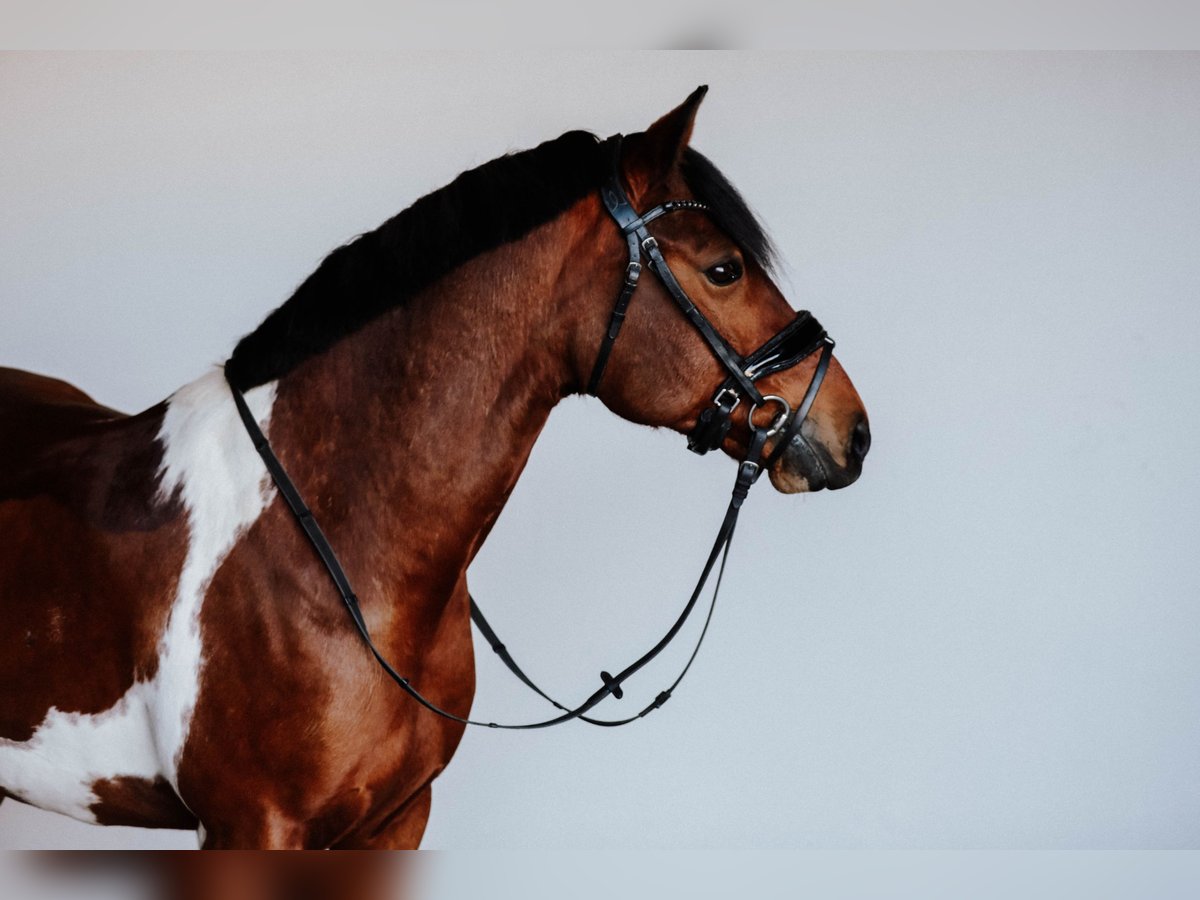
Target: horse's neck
column 407, row 437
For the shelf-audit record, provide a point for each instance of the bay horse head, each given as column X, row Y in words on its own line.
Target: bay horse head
column 679, row 369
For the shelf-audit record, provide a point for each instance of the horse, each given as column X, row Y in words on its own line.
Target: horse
column 174, row 654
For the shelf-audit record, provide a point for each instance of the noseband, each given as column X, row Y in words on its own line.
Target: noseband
column 798, row 340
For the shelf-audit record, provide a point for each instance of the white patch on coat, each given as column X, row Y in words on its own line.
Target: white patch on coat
column 210, row 462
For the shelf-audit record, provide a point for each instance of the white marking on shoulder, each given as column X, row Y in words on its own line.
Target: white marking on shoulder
column 209, row 459
column 210, row 463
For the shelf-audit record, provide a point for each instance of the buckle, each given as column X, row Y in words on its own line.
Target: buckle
column 723, row 396
column 749, row 471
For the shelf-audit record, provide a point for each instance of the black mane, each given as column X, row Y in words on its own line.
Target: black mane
column 481, row 209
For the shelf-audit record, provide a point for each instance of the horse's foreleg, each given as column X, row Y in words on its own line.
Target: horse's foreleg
column 402, row 831
column 253, row 833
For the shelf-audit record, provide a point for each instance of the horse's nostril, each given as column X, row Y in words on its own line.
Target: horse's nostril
column 860, row 441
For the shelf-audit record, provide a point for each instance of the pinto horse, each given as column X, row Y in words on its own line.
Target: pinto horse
column 174, row 654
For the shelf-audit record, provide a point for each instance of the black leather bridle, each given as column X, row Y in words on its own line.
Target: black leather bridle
column 798, row 340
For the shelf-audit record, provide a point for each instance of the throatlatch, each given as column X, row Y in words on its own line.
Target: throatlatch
column 794, row 343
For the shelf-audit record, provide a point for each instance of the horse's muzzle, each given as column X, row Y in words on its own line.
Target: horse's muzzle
column 808, row 465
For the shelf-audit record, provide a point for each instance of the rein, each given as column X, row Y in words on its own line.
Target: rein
column 795, row 342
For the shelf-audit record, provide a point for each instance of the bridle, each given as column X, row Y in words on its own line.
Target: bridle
column 798, row 340
column 795, row 342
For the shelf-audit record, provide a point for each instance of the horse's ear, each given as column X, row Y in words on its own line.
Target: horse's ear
column 657, row 151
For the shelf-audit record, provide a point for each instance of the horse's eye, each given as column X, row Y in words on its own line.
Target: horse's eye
column 724, row 273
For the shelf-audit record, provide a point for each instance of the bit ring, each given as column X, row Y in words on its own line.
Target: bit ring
column 780, row 420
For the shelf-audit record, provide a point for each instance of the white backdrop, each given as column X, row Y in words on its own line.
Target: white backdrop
column 990, row 641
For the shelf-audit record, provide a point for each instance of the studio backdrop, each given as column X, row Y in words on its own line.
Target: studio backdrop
column 991, row 640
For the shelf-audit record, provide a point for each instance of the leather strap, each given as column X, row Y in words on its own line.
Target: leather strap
column 639, row 241
column 747, row 474
column 792, row 431
column 633, row 271
column 783, row 350
column 725, row 354
column 794, row 342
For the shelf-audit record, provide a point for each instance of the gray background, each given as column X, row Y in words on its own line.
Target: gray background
column 990, row 641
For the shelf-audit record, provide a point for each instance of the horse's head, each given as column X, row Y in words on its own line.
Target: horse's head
column 667, row 370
